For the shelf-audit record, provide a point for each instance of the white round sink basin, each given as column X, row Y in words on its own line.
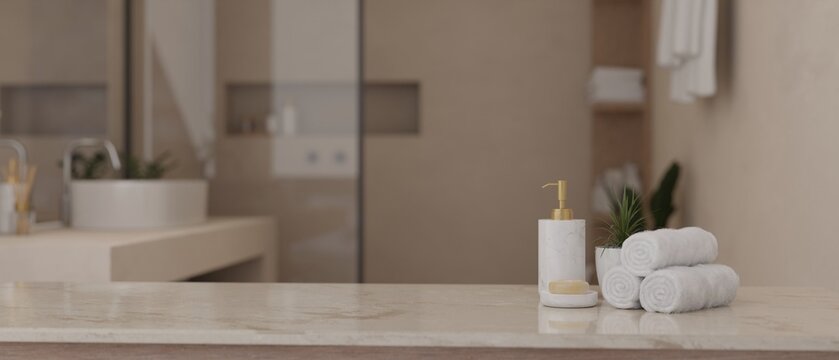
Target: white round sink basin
column 137, row 204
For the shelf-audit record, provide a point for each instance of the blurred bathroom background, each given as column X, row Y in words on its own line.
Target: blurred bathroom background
column 406, row 141
column 264, row 98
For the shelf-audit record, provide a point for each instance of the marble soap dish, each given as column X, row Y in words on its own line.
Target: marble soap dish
column 587, row 299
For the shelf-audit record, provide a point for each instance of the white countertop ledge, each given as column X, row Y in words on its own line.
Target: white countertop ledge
column 506, row 316
column 55, row 253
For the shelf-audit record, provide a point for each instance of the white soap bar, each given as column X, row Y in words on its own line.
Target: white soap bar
column 588, row 299
column 568, row 287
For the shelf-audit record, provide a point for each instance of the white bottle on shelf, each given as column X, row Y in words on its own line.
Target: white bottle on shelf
column 272, row 125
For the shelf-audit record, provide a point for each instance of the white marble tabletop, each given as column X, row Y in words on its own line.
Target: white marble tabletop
column 401, row 315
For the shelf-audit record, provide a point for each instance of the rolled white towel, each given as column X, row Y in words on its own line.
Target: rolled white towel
column 621, row 289
column 688, row 288
column 647, row 251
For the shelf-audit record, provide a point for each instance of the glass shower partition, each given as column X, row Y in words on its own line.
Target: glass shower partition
column 260, row 97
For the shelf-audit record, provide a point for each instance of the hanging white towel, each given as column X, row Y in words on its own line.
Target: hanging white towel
column 682, row 29
column 687, row 46
column 679, row 84
column 704, row 82
column 664, row 53
column 694, row 27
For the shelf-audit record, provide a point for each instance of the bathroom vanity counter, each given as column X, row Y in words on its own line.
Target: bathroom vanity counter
column 325, row 320
column 244, row 246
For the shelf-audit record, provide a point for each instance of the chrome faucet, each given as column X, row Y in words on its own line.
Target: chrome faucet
column 67, row 168
column 21, row 154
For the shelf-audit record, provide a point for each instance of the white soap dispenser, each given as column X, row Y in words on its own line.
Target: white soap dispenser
column 562, row 257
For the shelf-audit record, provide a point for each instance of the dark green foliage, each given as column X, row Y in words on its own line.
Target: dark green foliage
column 96, row 166
column 661, row 202
column 155, row 169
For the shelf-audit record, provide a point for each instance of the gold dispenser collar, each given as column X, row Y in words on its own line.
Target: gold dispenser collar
column 561, row 213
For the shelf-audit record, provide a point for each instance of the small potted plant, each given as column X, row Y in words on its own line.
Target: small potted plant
column 627, row 218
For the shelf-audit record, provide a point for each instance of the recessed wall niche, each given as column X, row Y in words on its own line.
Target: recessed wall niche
column 53, row 109
column 322, row 108
column 318, row 108
column 392, row 108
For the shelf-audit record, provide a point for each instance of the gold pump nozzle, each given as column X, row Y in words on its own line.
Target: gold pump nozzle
column 561, row 213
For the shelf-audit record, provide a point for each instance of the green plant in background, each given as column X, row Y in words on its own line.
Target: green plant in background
column 95, row 166
column 661, row 202
column 90, row 167
column 627, row 218
column 155, row 169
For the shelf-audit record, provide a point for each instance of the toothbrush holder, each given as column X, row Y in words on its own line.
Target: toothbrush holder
column 23, row 220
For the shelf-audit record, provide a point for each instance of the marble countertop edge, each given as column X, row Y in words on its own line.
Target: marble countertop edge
column 489, row 316
column 412, row 339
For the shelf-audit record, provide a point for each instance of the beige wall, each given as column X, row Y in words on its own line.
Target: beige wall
column 760, row 157
column 502, row 112
column 45, row 43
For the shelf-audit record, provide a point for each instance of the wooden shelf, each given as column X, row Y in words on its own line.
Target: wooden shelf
column 621, row 130
column 255, row 134
column 607, row 108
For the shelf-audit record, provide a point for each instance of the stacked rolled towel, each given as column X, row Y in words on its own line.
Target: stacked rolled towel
column 667, row 271
column 688, row 288
column 621, row 289
column 647, row 251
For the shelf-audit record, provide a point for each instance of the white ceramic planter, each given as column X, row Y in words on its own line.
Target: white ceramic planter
column 137, row 204
column 605, row 259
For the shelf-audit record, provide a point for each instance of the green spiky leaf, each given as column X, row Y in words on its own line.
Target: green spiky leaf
column 627, row 218
column 661, row 202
